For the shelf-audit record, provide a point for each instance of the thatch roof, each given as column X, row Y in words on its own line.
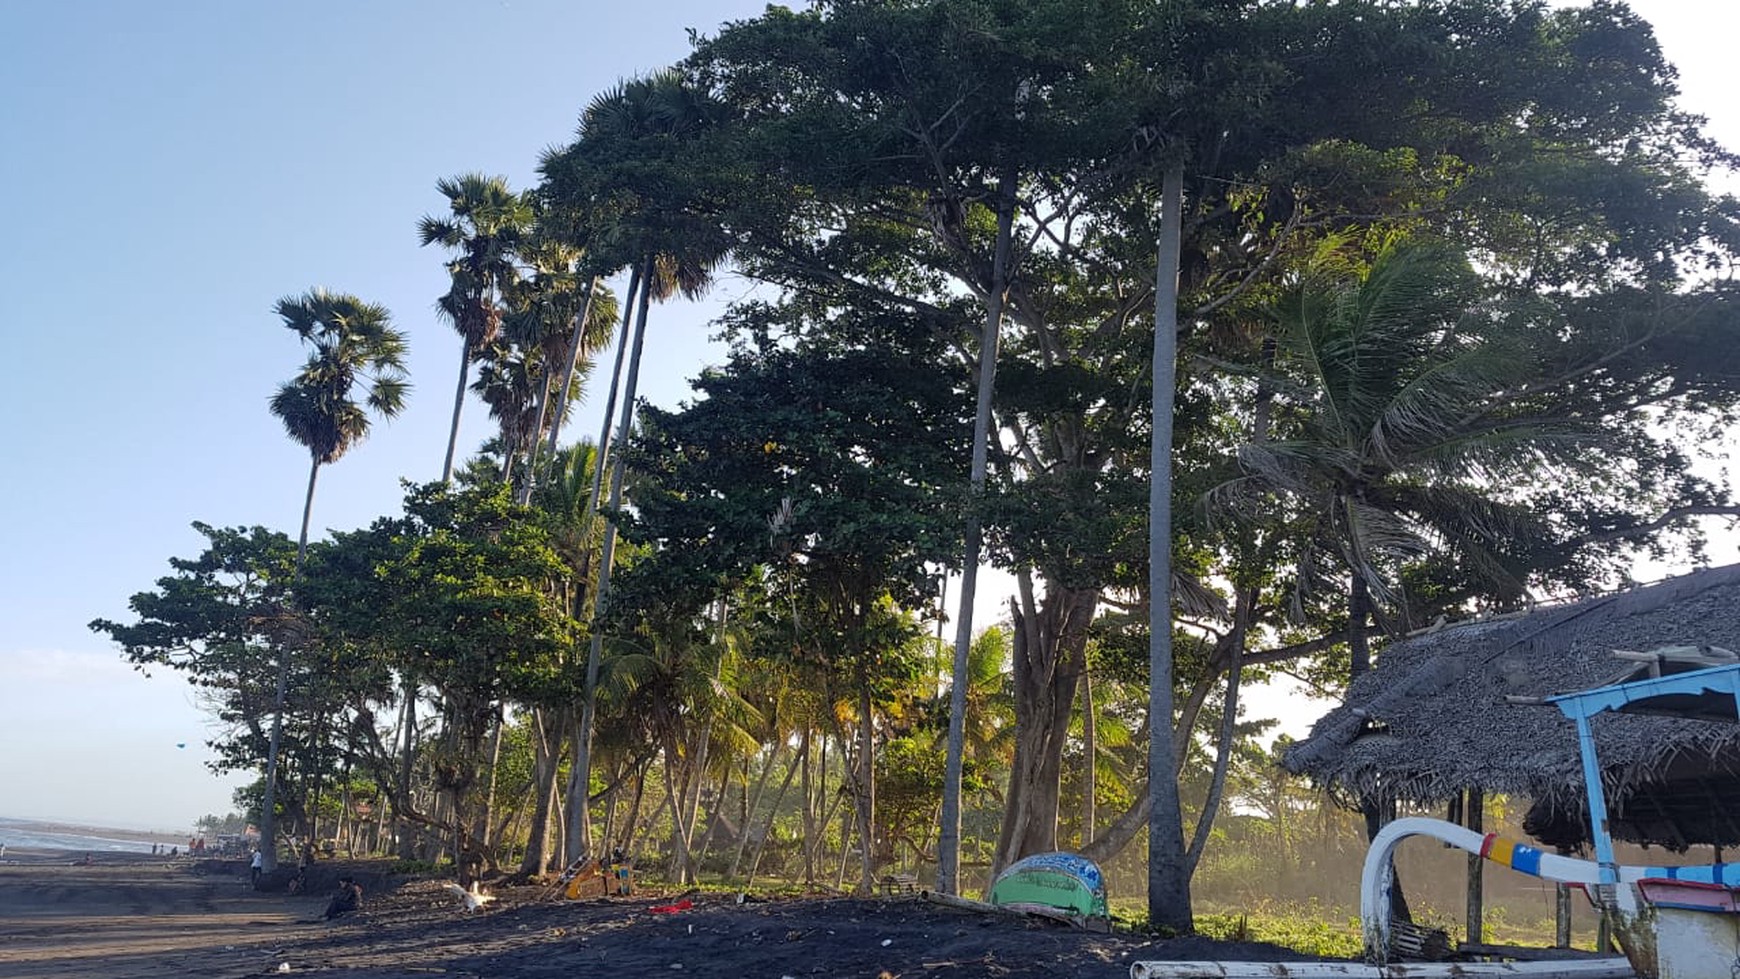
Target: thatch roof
column 1431, row 720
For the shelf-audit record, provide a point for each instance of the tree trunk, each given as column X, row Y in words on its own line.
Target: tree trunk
column 1228, row 729
column 458, row 407
column 772, row 814
column 809, row 814
column 949, row 836
column 407, row 833
column 1168, row 874
column 1090, row 758
column 634, row 807
column 544, row 754
column 752, row 802
column 1358, row 607
column 481, row 833
column 567, row 381
column 1050, row 650
column 679, row 843
column 866, row 792
column 579, row 826
column 269, row 802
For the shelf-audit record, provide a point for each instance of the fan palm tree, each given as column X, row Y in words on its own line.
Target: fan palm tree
column 632, row 167
column 565, row 316
column 353, row 342
column 484, row 228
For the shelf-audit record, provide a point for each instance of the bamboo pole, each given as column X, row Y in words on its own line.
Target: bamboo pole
column 1609, row 968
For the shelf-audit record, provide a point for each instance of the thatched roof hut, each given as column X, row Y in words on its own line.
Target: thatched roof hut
column 1437, row 717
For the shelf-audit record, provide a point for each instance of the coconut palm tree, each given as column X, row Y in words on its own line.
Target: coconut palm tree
column 1405, row 441
column 353, row 343
column 484, row 228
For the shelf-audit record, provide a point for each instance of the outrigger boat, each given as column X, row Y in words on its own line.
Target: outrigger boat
column 1671, row 922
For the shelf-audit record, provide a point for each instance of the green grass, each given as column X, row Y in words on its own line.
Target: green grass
column 1309, row 929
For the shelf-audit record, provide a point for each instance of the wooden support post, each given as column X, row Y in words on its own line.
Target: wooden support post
column 1562, row 916
column 1476, row 811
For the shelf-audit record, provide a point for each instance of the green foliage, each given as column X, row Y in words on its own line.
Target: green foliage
column 222, row 619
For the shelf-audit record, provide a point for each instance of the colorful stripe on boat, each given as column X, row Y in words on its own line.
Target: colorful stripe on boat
column 1509, row 853
column 1720, row 874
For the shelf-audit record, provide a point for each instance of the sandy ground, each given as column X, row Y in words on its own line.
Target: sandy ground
column 131, row 916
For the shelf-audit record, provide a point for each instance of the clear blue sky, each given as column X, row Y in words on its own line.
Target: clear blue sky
column 175, row 168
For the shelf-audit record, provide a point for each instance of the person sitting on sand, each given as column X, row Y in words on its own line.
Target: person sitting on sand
column 348, row 899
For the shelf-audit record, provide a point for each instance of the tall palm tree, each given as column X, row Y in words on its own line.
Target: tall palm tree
column 631, row 166
column 484, row 227
column 507, row 379
column 353, row 343
column 1168, row 874
column 565, row 316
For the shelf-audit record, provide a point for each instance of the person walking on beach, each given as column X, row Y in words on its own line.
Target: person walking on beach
column 256, row 866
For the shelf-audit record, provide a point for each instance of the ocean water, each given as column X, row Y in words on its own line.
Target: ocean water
column 25, row 834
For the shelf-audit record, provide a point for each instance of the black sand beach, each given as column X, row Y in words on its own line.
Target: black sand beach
column 137, row 916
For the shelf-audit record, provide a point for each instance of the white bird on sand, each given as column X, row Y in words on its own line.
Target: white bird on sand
column 473, row 898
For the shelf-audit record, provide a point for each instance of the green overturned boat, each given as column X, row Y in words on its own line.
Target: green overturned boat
column 1055, row 884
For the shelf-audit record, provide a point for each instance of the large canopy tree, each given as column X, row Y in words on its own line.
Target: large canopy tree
column 832, row 465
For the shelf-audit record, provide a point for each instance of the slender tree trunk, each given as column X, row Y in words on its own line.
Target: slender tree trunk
column 634, row 807
column 1090, row 759
column 1358, row 608
column 1228, row 729
column 1185, row 730
column 407, row 830
column 773, row 813
column 679, row 843
column 481, row 833
column 269, row 803
column 1168, row 874
column 1246, row 599
column 809, row 818
column 751, row 804
column 949, row 835
column 579, row 829
column 867, row 791
column 567, row 381
column 458, row 407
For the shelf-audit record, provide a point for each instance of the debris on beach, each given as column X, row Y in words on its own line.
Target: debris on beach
column 473, row 899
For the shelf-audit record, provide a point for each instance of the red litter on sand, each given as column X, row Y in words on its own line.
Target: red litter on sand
column 684, row 905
